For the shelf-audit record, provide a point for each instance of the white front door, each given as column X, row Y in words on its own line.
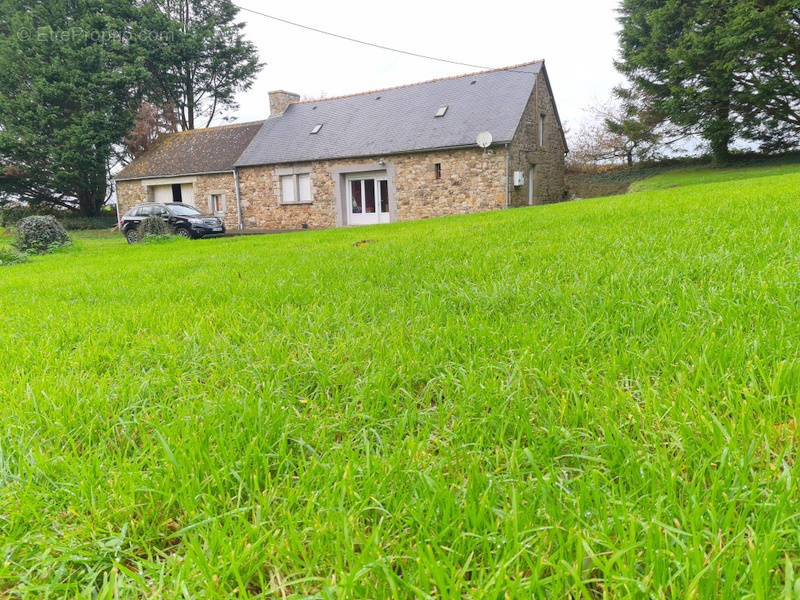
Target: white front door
column 368, row 199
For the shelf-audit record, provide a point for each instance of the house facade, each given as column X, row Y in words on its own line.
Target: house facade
column 397, row 154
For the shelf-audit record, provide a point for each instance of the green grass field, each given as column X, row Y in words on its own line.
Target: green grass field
column 595, row 399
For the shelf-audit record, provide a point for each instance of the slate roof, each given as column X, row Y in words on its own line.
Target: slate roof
column 210, row 150
column 398, row 119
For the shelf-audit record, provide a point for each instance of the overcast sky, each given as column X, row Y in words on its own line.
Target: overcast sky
column 577, row 39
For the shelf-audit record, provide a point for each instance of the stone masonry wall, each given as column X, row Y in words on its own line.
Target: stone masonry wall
column 221, row 183
column 132, row 192
column 548, row 158
column 472, row 180
column 261, row 206
column 129, row 194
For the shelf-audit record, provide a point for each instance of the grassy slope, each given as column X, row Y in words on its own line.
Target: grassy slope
column 592, row 396
column 678, row 177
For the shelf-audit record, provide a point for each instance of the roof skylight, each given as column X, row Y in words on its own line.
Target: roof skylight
column 441, row 111
column 316, row 129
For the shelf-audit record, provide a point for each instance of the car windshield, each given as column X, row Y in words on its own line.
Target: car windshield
column 184, row 211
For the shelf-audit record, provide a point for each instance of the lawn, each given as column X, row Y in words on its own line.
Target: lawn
column 677, row 177
column 584, row 400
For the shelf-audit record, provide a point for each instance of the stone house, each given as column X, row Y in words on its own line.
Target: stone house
column 395, row 154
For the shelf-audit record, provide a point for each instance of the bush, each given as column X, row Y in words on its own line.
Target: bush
column 9, row 256
column 40, row 234
column 152, row 227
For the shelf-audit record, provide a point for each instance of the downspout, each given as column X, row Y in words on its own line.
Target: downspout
column 239, row 225
column 507, row 168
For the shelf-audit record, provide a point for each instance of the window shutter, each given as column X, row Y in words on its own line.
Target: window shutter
column 304, row 187
column 287, row 188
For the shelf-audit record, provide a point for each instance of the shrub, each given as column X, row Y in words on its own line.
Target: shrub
column 40, row 234
column 9, row 256
column 152, row 227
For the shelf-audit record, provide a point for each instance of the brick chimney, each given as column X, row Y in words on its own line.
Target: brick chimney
column 279, row 101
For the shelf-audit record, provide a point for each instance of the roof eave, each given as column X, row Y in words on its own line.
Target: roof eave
column 141, row 177
column 385, row 154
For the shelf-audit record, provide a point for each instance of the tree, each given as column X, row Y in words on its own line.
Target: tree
column 770, row 79
column 723, row 69
column 72, row 71
column 623, row 128
column 683, row 54
column 151, row 121
column 206, row 64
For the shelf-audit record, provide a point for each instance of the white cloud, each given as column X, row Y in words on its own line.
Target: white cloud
column 577, row 38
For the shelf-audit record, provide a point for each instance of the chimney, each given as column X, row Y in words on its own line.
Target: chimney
column 279, row 101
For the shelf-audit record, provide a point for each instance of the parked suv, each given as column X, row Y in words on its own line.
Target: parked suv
column 183, row 219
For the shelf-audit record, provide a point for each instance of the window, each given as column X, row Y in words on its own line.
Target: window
column 442, row 110
column 541, row 130
column 217, row 202
column 437, row 170
column 184, row 211
column 369, row 196
column 355, row 193
column 384, row 190
column 177, row 194
column 296, row 189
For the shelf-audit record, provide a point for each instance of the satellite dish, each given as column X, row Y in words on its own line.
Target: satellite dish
column 484, row 139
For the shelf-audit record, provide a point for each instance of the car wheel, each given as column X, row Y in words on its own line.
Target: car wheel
column 183, row 232
column 130, row 235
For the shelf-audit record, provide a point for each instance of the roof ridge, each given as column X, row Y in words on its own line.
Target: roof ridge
column 405, row 85
column 226, row 126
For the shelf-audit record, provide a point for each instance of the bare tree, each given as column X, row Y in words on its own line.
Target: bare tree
column 151, row 121
column 620, row 130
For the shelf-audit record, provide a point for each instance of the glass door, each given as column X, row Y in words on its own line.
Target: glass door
column 368, row 199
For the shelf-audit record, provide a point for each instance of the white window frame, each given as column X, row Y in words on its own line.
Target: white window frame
column 295, row 175
column 213, row 208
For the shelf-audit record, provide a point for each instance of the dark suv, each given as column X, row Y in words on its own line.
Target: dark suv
column 183, row 219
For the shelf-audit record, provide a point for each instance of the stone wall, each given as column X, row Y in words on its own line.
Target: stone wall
column 132, row 192
column 220, row 183
column 547, row 159
column 129, row 194
column 472, row 180
column 262, row 208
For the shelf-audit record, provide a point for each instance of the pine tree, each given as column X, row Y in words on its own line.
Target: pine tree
column 71, row 74
column 770, row 79
column 722, row 69
column 681, row 55
column 207, row 62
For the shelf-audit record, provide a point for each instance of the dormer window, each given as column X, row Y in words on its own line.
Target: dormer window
column 316, row 129
column 442, row 110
